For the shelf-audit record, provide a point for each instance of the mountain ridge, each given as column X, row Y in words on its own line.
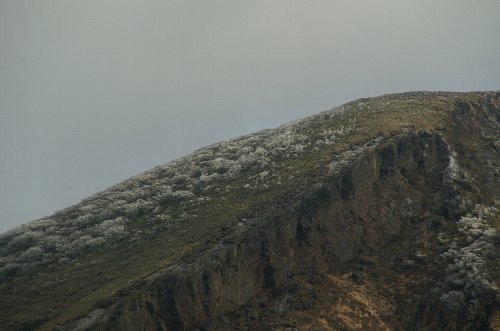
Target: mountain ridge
column 235, row 193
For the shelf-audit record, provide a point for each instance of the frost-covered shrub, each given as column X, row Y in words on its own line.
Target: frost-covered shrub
column 467, row 272
column 476, row 227
column 137, row 208
column 168, row 194
column 84, row 221
column 93, row 242
column 24, row 240
column 32, row 254
column 453, row 168
column 331, row 135
column 454, row 172
column 220, row 165
column 111, row 228
column 264, row 174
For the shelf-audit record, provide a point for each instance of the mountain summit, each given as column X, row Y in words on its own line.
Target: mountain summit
column 380, row 214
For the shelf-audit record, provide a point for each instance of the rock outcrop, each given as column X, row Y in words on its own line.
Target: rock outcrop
column 380, row 214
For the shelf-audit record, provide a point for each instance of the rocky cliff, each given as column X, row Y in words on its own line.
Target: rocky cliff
column 379, row 214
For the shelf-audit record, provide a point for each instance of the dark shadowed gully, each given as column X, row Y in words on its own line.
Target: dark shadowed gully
column 381, row 214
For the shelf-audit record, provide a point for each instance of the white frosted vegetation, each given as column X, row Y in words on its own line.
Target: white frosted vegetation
column 455, row 173
column 149, row 197
column 467, row 269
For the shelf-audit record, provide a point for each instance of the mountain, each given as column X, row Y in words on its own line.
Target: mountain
column 380, row 214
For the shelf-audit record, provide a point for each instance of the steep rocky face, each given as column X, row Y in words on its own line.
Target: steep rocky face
column 363, row 251
column 391, row 226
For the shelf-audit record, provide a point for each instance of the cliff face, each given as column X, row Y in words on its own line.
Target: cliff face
column 380, row 214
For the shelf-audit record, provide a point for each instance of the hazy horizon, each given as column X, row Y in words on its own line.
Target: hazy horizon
column 94, row 92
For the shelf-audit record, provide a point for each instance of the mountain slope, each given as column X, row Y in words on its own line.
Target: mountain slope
column 381, row 213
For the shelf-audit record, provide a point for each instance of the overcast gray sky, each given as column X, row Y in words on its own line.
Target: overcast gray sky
column 95, row 91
